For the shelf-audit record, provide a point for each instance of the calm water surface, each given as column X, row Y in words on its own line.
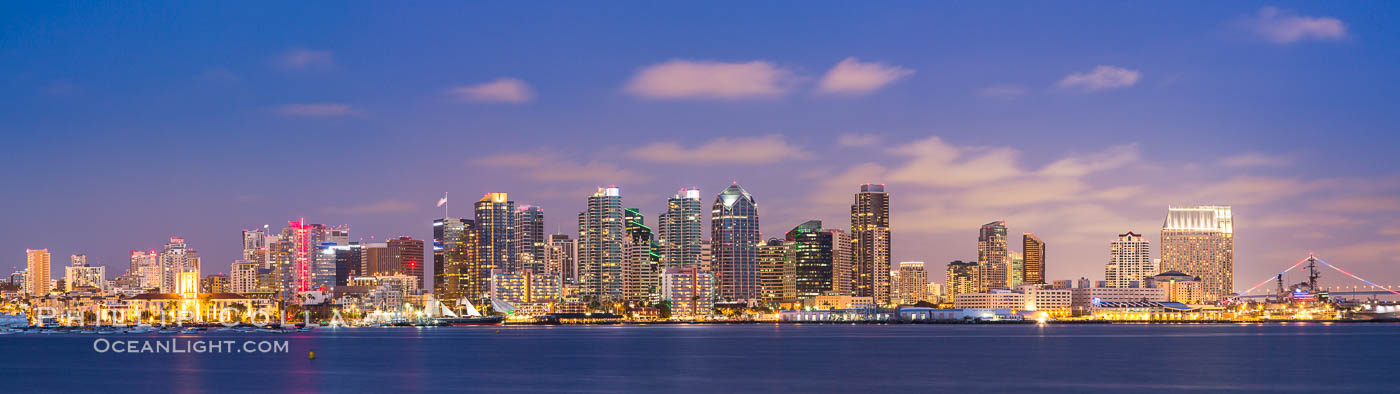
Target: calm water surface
column 738, row 358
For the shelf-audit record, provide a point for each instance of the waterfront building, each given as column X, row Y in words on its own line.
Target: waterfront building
column 707, row 256
column 1200, row 241
column 642, row 268
column 1033, row 253
column 212, row 284
column 1129, row 262
column 447, row 236
column 734, row 238
column 1016, row 272
column 935, row 314
column 495, row 228
column 1056, row 302
column 405, row 255
column 600, row 245
column 525, row 287
column 84, row 277
column 913, row 282
column 689, row 290
column 1082, row 299
column 992, row 262
column 176, row 257
column 678, row 230
column 838, row 302
column 243, row 277
column 1179, row 287
column 559, row 258
column 37, row 280
column 255, row 246
column 962, row 277
column 777, row 275
column 530, row 243
column 870, row 243
column 819, row 264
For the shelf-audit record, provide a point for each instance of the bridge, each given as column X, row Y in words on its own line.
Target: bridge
column 1370, row 288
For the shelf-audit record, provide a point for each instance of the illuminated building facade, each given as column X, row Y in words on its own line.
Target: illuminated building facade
column 530, row 243
column 301, row 249
column 448, row 234
column 243, row 277
column 525, row 287
column 37, row 280
column 1129, row 262
column 679, row 230
column 1033, row 255
column 84, row 276
column 175, row 258
column 913, row 282
column 734, row 238
column 1200, row 241
column 495, row 228
column 406, row 256
column 777, row 275
column 600, row 245
column 993, row 265
column 642, row 269
column 962, row 277
column 817, row 265
column 559, row 258
column 690, row 291
column 870, row 243
column 1179, row 287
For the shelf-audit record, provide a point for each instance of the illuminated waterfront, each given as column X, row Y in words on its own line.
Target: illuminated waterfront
column 1248, row 357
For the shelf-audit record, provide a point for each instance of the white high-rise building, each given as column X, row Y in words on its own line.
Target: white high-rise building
column 243, row 277
column 1129, row 261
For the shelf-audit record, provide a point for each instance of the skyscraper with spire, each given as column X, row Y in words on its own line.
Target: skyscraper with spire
column 734, row 238
column 678, row 230
column 870, row 238
column 602, row 236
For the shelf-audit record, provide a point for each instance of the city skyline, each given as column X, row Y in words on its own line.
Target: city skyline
column 1105, row 135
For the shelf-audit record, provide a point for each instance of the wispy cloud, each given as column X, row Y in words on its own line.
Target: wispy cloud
column 386, row 206
column 1255, row 159
column 851, row 77
column 499, row 90
column 315, row 110
column 549, row 166
column 855, row 140
column 1101, row 78
column 304, row 58
column 690, row 79
column 1285, row 27
column 746, row 150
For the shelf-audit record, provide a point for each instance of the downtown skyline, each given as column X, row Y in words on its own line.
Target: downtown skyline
column 1091, row 143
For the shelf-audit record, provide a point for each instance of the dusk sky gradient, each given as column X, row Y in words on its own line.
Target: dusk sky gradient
column 127, row 124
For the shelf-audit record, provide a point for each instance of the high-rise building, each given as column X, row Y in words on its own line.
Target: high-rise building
column 243, row 277
column 301, row 254
column 255, row 245
column 679, row 229
column 406, row 255
column 913, row 282
column 1200, row 241
column 1033, row 267
column 146, row 267
column 176, row 258
column 1017, row 263
column 37, row 280
column 323, row 267
column 734, row 237
column 1129, row 261
column 374, row 260
column 600, row 245
column 447, row 235
column 993, row 265
column 689, row 290
column 559, row 258
column 464, row 273
column 347, row 262
column 495, row 228
column 78, row 260
column 641, row 261
column 214, row 284
column 84, row 276
column 777, row 275
column 962, row 277
column 870, row 239
column 814, row 259
column 530, row 243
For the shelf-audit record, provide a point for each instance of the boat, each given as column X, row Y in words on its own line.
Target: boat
column 473, row 318
column 190, row 330
column 88, row 332
column 106, row 332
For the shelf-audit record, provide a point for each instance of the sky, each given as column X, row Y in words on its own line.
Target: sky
column 127, row 124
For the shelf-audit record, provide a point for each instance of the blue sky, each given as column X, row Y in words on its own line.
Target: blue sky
column 126, row 125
